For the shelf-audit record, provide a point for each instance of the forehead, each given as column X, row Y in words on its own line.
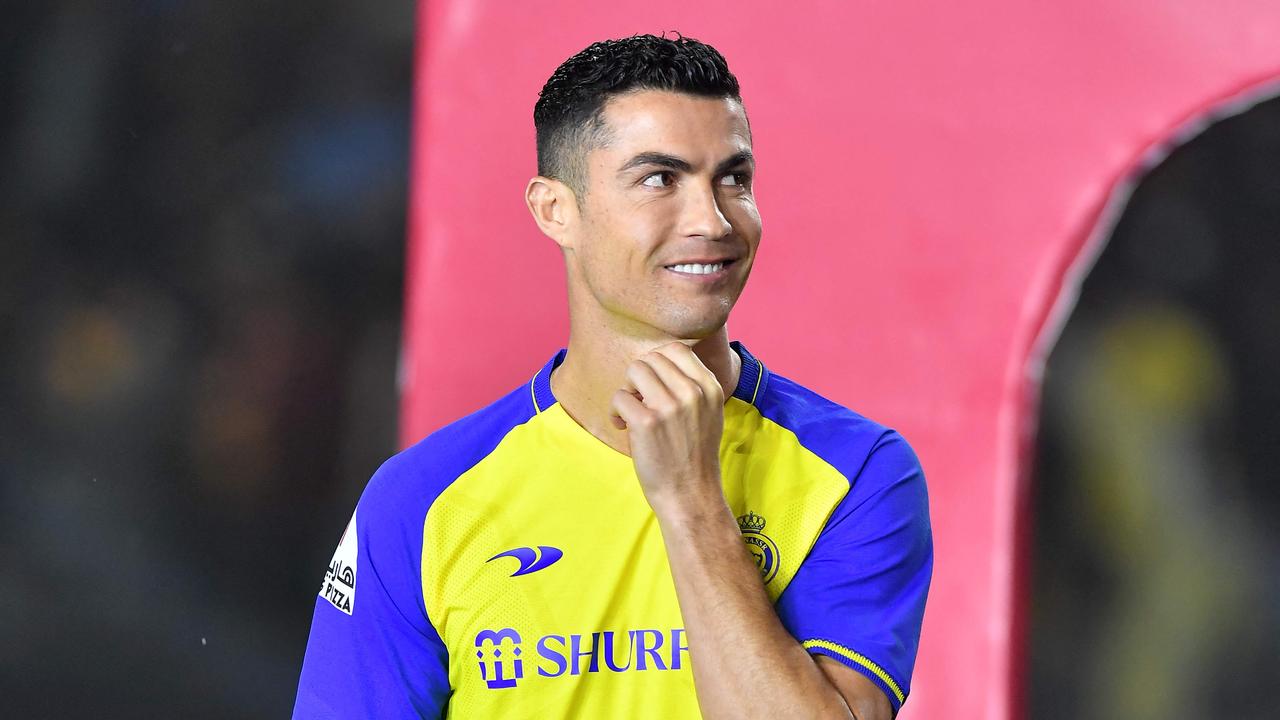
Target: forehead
column 677, row 123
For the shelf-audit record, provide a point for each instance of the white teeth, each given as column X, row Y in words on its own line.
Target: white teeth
column 696, row 269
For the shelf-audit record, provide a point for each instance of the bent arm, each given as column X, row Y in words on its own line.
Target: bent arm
column 745, row 663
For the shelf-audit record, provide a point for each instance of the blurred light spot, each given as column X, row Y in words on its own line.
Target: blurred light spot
column 91, row 356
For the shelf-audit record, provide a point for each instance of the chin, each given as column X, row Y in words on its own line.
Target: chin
column 687, row 326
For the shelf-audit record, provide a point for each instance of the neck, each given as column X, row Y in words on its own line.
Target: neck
column 595, row 367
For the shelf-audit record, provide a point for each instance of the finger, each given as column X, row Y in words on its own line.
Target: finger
column 627, row 410
column 645, row 379
column 691, row 365
column 617, row 421
column 683, row 388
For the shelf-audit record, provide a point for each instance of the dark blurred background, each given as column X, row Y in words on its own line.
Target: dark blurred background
column 200, row 293
column 1156, row 590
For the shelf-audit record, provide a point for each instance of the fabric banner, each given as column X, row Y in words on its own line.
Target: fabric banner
column 934, row 180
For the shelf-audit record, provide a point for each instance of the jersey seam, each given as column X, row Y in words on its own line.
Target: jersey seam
column 834, row 507
column 422, row 595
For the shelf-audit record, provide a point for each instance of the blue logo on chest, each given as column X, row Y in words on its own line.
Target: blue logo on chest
column 499, row 652
column 499, row 679
column 531, row 560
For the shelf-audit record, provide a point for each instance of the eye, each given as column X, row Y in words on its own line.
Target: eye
column 737, row 179
column 658, row 179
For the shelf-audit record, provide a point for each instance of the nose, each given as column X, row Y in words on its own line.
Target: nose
column 701, row 216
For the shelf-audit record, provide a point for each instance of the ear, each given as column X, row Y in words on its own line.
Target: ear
column 553, row 206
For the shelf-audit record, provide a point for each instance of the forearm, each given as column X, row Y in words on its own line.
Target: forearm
column 745, row 663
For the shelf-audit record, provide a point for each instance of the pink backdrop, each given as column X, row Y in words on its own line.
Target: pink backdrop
column 931, row 177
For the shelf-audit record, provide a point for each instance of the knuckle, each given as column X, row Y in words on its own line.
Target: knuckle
column 664, row 409
column 687, row 392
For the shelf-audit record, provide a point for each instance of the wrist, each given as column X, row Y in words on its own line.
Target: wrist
column 693, row 509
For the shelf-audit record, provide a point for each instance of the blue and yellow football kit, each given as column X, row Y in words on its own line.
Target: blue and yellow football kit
column 508, row 565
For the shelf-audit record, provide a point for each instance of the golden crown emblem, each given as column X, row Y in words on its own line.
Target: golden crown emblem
column 750, row 522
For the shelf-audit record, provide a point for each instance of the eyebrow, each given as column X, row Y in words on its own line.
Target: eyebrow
column 677, row 163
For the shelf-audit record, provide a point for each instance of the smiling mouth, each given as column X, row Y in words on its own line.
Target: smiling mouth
column 700, row 268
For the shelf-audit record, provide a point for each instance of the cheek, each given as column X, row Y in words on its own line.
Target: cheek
column 605, row 255
column 745, row 219
column 628, row 240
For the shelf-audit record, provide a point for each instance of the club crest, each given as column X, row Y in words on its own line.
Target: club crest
column 762, row 547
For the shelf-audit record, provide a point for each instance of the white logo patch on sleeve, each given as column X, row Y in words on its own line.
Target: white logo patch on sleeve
column 339, row 586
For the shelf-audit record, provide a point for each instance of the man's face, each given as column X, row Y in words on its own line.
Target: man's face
column 669, row 223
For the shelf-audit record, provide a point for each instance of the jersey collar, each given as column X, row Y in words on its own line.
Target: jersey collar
column 751, row 381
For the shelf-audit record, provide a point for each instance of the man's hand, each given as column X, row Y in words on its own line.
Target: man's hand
column 673, row 411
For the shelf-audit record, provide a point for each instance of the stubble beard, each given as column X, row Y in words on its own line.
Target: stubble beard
column 691, row 322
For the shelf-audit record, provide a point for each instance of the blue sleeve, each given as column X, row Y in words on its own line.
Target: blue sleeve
column 859, row 595
column 372, row 652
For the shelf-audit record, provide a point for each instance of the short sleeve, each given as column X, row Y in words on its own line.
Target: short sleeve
column 372, row 652
column 859, row 595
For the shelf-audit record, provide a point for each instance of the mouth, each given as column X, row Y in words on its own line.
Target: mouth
column 707, row 270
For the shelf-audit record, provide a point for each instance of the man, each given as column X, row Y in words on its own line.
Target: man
column 655, row 525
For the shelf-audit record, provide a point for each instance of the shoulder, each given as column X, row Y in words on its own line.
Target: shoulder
column 868, row 454
column 414, row 477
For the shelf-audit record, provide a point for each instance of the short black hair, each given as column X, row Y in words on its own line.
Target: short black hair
column 569, row 113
